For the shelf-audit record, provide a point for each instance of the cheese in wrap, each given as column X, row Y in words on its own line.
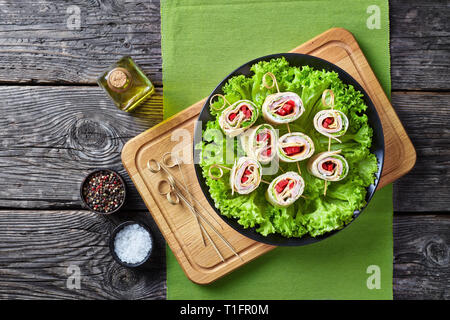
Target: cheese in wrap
column 282, row 107
column 238, row 117
column 331, row 123
column 295, row 146
column 245, row 176
column 329, row 166
column 260, row 143
column 285, row 189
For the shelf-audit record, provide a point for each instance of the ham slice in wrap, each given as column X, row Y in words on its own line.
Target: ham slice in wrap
column 282, row 107
column 260, row 143
column 285, row 189
column 329, row 166
column 245, row 176
column 295, row 146
column 238, row 117
column 331, row 123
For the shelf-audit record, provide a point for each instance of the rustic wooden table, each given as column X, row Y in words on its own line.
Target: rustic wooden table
column 57, row 125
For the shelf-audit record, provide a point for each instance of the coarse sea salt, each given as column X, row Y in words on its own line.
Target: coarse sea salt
column 132, row 244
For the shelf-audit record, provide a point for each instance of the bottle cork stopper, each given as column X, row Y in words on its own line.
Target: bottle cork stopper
column 118, row 79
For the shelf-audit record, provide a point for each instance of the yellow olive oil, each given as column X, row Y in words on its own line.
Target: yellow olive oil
column 126, row 84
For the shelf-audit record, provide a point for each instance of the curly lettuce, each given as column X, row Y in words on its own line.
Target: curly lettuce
column 314, row 214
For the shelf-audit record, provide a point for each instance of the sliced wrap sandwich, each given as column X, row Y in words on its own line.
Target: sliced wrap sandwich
column 295, row 146
column 331, row 123
column 238, row 117
column 329, row 166
column 285, row 189
column 282, row 107
column 260, row 143
column 245, row 176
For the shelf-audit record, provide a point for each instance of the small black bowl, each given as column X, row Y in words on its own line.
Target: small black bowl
column 121, row 180
column 144, row 264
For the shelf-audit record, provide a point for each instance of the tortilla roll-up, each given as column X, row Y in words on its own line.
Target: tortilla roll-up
column 285, row 189
column 295, row 146
column 245, row 176
column 329, row 166
column 331, row 123
column 238, row 117
column 282, row 107
column 260, row 143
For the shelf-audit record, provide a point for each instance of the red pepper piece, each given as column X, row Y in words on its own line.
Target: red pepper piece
column 243, row 179
column 267, row 152
column 261, row 136
column 246, row 111
column 288, row 108
column 232, row 116
column 279, row 187
column 281, row 112
column 291, row 102
column 329, row 166
column 327, row 122
column 292, row 150
column 291, row 185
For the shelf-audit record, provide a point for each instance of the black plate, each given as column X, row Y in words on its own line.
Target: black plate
column 297, row 60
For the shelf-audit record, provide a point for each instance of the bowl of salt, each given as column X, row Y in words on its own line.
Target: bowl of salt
column 131, row 244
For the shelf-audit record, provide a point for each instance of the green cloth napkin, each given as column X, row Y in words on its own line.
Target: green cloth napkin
column 202, row 41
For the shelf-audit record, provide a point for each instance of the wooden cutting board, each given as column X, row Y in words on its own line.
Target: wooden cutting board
column 201, row 263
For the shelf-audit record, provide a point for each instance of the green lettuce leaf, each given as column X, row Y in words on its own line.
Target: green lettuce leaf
column 314, row 214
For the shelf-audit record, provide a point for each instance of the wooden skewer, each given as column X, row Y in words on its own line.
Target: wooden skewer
column 225, row 101
column 326, row 104
column 195, row 214
column 177, row 163
column 212, row 228
column 298, row 168
column 157, row 167
column 274, row 80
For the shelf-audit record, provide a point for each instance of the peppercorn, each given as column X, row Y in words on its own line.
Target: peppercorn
column 103, row 191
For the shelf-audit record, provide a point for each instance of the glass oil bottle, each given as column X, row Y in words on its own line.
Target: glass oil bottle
column 126, row 84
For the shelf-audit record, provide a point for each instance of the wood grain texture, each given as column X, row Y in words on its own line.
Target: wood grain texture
column 420, row 44
column 38, row 44
column 37, row 48
column 339, row 46
column 44, row 157
column 40, row 48
column 199, row 260
column 38, row 247
column 51, row 137
column 425, row 116
column 421, row 257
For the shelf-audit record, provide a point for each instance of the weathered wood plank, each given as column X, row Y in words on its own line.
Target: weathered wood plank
column 51, row 137
column 41, row 48
column 40, row 41
column 425, row 117
column 422, row 257
column 38, row 247
column 420, row 44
